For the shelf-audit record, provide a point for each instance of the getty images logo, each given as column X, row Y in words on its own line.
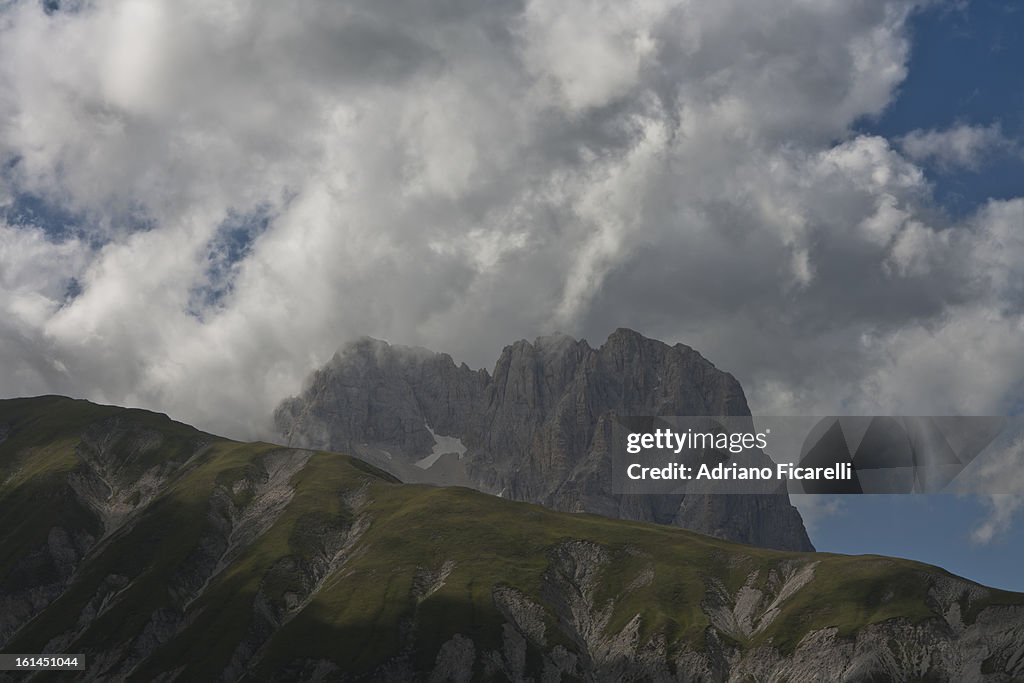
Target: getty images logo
column 666, row 439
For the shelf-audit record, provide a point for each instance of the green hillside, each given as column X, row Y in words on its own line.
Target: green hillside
column 160, row 550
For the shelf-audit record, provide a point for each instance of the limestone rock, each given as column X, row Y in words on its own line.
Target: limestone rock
column 535, row 429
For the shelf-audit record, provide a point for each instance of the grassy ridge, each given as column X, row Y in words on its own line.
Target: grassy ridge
column 361, row 614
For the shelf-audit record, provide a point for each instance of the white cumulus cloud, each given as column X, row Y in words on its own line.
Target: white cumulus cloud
column 963, row 146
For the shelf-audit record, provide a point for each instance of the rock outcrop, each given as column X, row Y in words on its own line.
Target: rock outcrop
column 535, row 429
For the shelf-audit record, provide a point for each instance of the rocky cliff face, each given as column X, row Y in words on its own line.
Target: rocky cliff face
column 536, row 429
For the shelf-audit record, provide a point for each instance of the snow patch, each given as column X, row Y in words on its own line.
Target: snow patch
column 443, row 445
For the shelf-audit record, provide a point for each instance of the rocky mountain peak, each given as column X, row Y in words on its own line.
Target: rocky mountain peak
column 534, row 428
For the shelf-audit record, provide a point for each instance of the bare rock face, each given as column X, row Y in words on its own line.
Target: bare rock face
column 536, row 429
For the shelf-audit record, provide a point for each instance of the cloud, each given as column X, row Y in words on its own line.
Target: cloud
column 1001, row 470
column 1003, row 508
column 258, row 183
column 35, row 277
column 962, row 146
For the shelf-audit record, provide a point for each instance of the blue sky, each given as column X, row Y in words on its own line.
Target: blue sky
column 929, row 528
column 966, row 67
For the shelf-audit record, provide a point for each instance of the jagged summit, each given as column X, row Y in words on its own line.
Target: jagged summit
column 534, row 428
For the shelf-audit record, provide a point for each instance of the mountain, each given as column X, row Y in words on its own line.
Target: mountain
column 166, row 554
column 536, row 429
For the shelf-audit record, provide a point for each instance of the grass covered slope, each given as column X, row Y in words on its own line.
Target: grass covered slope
column 161, row 551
